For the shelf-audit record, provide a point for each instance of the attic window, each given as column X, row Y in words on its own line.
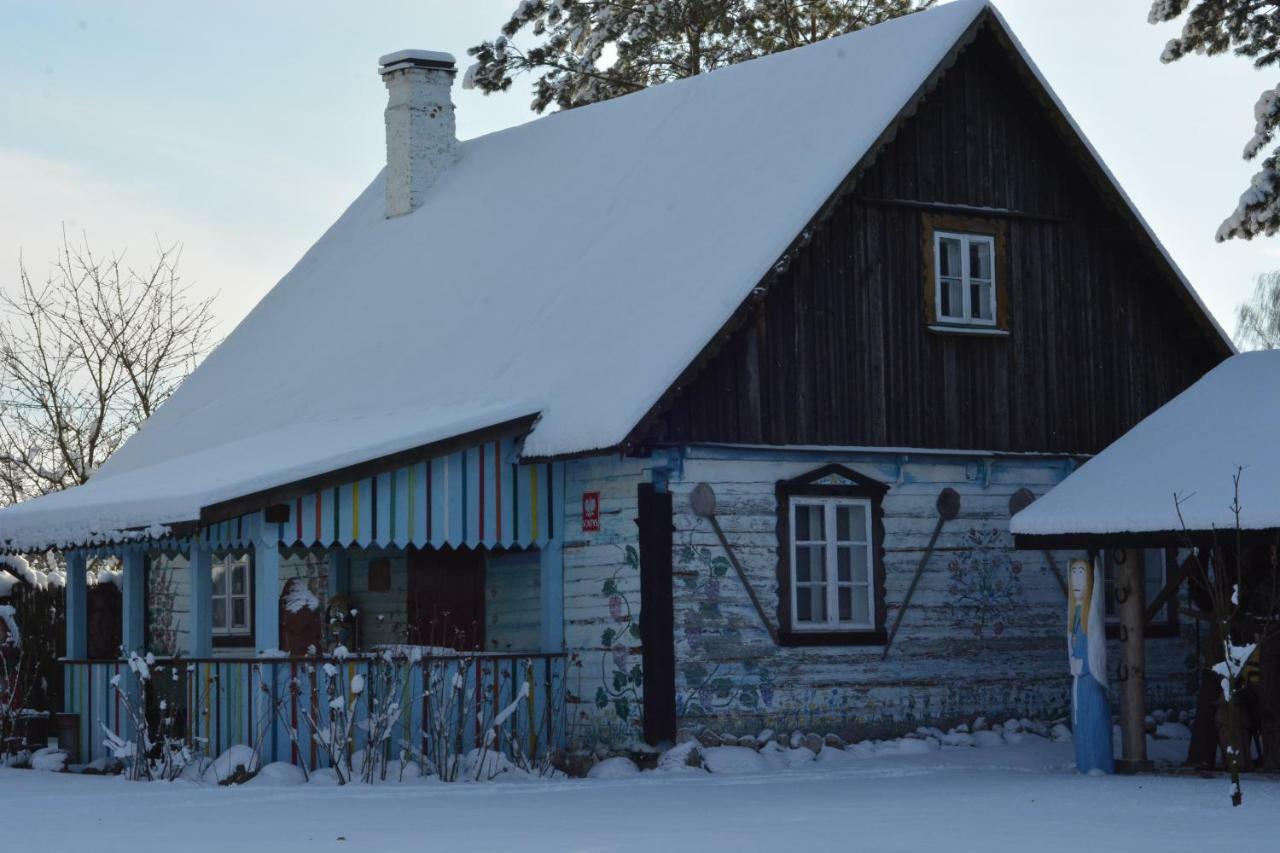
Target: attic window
column 965, row 281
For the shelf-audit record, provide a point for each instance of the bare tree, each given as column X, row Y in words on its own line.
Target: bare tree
column 1258, row 318
column 87, row 354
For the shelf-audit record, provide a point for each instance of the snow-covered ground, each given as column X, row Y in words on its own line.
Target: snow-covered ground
column 1015, row 798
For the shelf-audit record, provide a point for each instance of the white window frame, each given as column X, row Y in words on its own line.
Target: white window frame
column 832, row 581
column 966, row 281
column 229, row 564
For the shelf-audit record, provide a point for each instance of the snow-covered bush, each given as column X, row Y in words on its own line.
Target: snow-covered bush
column 471, row 714
column 162, row 753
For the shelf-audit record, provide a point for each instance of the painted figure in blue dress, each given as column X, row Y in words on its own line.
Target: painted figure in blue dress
column 1087, row 648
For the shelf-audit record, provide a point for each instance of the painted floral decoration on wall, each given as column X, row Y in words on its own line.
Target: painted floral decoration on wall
column 986, row 584
column 622, row 679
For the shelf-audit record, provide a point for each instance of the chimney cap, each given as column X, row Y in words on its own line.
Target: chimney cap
column 416, row 59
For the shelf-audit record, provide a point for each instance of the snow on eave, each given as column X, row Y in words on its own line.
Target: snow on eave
column 1111, row 178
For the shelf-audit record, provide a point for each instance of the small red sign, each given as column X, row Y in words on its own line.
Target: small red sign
column 590, row 511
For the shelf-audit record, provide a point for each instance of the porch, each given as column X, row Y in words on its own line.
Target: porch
column 407, row 582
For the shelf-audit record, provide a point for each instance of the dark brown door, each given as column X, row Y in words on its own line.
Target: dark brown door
column 446, row 598
column 657, row 614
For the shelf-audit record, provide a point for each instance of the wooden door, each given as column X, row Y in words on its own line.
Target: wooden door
column 446, row 597
column 657, row 614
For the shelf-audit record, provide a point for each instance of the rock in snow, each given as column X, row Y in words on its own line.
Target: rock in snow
column 618, row 767
column 278, row 774
column 235, row 760
column 1173, row 731
column 49, row 759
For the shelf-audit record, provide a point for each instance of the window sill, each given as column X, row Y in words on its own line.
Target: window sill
column 974, row 331
column 232, row 641
column 833, row 638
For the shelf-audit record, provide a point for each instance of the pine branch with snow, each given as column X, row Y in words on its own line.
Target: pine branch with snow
column 1251, row 29
column 584, row 51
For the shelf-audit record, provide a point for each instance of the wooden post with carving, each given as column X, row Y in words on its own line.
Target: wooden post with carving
column 1130, row 594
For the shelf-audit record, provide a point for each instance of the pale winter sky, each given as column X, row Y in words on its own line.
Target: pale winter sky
column 244, row 127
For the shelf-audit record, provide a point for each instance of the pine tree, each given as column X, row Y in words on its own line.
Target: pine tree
column 1248, row 28
column 593, row 50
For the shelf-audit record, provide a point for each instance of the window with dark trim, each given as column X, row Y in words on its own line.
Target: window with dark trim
column 831, row 558
column 232, row 600
column 1158, row 564
column 966, row 274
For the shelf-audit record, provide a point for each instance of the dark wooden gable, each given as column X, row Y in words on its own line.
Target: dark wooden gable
column 838, row 352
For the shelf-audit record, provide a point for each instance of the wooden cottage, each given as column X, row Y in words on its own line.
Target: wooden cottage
column 673, row 406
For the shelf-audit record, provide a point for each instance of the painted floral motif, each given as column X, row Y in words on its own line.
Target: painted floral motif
column 986, row 584
column 622, row 679
column 717, row 679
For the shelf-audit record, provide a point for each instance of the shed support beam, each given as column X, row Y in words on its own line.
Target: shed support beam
column 1131, row 592
column 134, row 601
column 200, row 639
column 77, row 610
column 266, row 592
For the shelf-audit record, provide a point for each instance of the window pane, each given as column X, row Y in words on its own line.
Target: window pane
column 219, row 578
column 980, row 300
column 861, row 606
column 238, row 572
column 952, row 298
column 810, row 563
column 846, row 604
column 979, row 259
column 844, row 565
column 949, row 257
column 851, row 523
column 220, row 614
column 809, row 522
column 811, row 603
column 858, row 565
column 239, row 619
column 1154, row 575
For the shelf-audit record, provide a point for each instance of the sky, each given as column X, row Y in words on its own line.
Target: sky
column 243, row 129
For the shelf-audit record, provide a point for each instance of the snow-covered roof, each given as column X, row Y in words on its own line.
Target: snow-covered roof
column 1191, row 447
column 571, row 268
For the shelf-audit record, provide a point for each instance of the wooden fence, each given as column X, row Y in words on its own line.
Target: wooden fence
column 220, row 702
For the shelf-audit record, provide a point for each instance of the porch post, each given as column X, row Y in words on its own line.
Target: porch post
column 339, row 578
column 77, row 612
column 134, row 601
column 551, row 570
column 1130, row 584
column 200, row 636
column 266, row 590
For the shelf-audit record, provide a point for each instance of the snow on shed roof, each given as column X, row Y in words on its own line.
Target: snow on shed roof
column 570, row 267
column 1190, row 447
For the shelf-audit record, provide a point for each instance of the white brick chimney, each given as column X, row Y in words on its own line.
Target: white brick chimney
column 421, row 141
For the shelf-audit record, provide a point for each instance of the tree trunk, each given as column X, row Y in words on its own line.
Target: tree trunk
column 1203, row 751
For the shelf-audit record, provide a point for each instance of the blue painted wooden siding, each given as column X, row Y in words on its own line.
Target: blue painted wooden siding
column 480, row 496
column 476, row 497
